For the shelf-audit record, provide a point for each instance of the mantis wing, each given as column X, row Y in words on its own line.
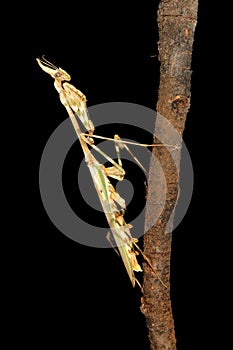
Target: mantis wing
column 120, row 230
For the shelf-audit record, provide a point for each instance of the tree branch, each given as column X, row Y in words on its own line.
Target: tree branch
column 177, row 22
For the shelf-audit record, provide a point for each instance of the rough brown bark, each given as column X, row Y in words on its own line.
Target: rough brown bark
column 176, row 21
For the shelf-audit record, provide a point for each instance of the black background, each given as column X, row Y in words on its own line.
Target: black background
column 80, row 297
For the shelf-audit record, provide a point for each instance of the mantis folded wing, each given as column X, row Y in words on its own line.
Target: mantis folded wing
column 112, row 203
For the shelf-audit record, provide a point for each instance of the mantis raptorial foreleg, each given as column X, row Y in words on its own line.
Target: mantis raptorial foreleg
column 112, row 203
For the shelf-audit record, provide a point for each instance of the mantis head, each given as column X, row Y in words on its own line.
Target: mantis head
column 52, row 70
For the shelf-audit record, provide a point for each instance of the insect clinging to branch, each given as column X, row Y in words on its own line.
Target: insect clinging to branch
column 112, row 203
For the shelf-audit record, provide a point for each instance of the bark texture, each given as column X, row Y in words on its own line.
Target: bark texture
column 176, row 22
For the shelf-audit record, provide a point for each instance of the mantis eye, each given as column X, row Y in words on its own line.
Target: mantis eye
column 57, row 75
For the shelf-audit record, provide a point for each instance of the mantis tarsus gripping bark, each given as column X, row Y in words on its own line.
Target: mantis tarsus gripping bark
column 113, row 204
